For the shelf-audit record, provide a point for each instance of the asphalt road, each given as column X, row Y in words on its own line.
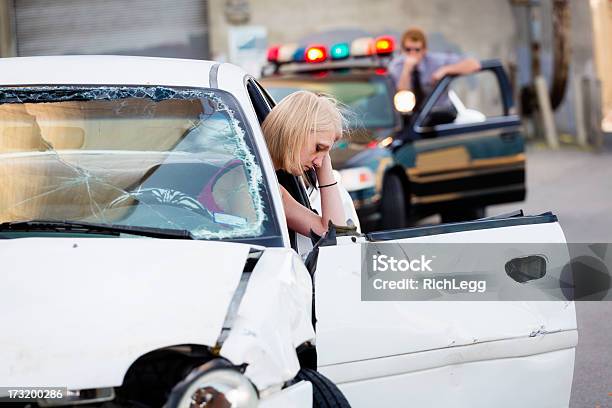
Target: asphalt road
column 577, row 186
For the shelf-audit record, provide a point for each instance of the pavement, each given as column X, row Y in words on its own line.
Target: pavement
column 577, row 186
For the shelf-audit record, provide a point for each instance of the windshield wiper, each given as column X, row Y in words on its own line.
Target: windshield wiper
column 77, row 226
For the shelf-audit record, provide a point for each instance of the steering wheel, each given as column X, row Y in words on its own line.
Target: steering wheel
column 165, row 196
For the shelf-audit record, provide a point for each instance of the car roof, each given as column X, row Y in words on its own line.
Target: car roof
column 111, row 70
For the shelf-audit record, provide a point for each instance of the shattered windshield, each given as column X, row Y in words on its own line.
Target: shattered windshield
column 137, row 156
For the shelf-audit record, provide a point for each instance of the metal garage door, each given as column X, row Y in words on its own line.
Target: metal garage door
column 166, row 28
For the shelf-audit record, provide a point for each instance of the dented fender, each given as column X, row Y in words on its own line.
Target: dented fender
column 273, row 319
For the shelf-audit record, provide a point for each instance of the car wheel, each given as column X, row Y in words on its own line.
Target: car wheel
column 467, row 214
column 325, row 394
column 393, row 205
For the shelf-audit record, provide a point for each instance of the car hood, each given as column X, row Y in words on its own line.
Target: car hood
column 78, row 312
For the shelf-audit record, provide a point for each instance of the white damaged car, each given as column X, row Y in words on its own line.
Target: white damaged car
column 147, row 262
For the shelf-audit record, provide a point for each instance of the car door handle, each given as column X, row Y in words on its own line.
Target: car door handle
column 526, row 268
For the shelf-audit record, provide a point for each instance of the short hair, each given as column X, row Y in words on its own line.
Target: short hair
column 288, row 127
column 414, row 34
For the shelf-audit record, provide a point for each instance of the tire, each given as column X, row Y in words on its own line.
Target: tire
column 468, row 214
column 325, row 394
column 393, row 205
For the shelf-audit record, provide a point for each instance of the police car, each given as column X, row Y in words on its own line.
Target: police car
column 402, row 164
column 147, row 262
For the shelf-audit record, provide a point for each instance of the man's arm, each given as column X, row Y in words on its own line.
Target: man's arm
column 463, row 67
column 404, row 83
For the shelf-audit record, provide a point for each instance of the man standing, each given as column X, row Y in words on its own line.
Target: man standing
column 418, row 70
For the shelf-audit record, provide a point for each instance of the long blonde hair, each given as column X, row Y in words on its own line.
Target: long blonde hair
column 293, row 121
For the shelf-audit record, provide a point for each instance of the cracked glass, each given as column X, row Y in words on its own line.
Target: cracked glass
column 155, row 157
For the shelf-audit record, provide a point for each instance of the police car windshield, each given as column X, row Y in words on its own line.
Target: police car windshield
column 368, row 97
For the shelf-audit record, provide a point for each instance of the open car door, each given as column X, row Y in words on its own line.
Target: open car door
column 445, row 353
column 464, row 149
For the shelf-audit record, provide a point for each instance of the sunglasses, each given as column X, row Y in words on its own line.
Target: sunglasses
column 411, row 49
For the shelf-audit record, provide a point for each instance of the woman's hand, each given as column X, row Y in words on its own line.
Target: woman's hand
column 325, row 173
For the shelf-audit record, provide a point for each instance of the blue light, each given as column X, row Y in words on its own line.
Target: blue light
column 299, row 55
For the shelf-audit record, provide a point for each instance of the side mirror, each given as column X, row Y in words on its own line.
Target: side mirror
column 404, row 101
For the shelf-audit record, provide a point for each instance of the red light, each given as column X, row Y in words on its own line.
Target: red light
column 385, row 45
column 273, row 53
column 372, row 145
column 380, row 71
column 316, row 53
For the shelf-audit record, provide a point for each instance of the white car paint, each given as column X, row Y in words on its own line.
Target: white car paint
column 506, row 383
column 295, row 396
column 420, row 346
column 105, row 70
column 81, row 301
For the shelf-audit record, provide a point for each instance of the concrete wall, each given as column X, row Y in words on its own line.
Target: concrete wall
column 582, row 64
column 602, row 13
column 482, row 28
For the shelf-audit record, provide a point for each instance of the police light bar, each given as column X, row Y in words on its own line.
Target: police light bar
column 385, row 45
column 316, row 53
column 361, row 47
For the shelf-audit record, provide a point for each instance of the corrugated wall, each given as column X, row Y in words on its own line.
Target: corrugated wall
column 169, row 28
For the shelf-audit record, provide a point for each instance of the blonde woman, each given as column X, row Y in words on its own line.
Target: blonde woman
column 299, row 132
